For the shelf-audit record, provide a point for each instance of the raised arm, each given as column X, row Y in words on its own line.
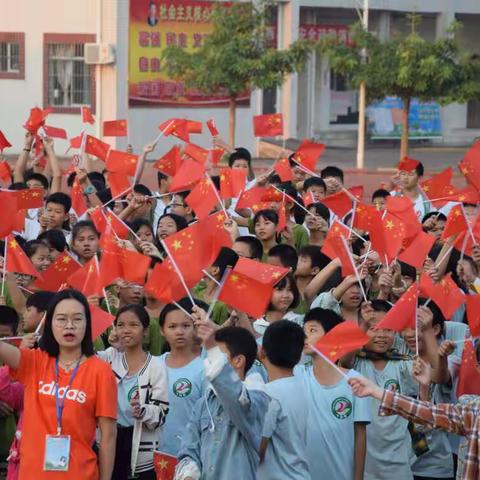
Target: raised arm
column 9, row 355
column 312, row 289
column 21, row 163
column 52, row 161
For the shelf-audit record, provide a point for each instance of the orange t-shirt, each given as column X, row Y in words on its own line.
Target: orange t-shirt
column 93, row 394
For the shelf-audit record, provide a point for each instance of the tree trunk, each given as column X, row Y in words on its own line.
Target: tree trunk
column 405, row 125
column 232, row 107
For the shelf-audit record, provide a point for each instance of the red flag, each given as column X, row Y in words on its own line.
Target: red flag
column 212, row 128
column 55, row 132
column 170, row 162
column 402, row 208
column 9, row 209
column 342, row 339
column 337, row 245
column 216, row 155
column 96, row 147
column 394, row 235
column 164, row 283
column 262, row 272
column 469, row 376
column 249, row 198
column 283, row 170
column 104, row 218
column 232, row 182
column 101, row 320
column 197, row 153
column 473, row 314
column 282, row 218
column 121, row 162
column 357, row 191
column 85, row 279
column 218, row 236
column 29, row 198
column 189, row 173
column 308, row 198
column 308, row 154
column 369, row 219
column 456, row 223
column 203, row 198
column 79, row 203
column 36, row 119
column 470, row 165
column 5, row 171
column 57, row 273
column 4, row 143
column 194, row 126
column 118, row 183
column 403, row 314
column 339, row 203
column 336, row 230
column 417, row 250
column 439, row 186
column 466, row 195
column 177, row 127
column 87, row 116
column 76, row 142
column 16, row 259
column 270, row 125
column 164, row 465
column 408, row 164
column 115, row 128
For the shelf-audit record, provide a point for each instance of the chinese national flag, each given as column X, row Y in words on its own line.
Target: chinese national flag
column 164, row 465
column 402, row 208
column 369, row 219
column 336, row 230
column 76, row 142
column 104, row 218
column 445, row 294
column 203, row 198
column 118, row 183
column 96, row 147
column 308, row 154
column 4, row 143
column 212, row 128
column 439, row 186
column 239, row 287
column 469, row 376
column 55, row 132
column 249, row 198
column 170, row 162
column 121, row 162
column 357, row 191
column 216, row 155
column 337, row 246
column 232, row 182
column 115, row 128
column 408, row 164
column 178, row 127
column 456, row 223
column 189, row 173
column 270, row 125
column 9, row 209
column 473, row 314
column 16, row 259
column 469, row 194
column 85, row 279
column 339, row 203
column 470, row 165
column 79, row 204
column 342, row 339
column 35, row 120
column 394, row 234
column 87, row 116
column 57, row 273
column 417, row 250
column 262, row 272
column 197, row 153
column 403, row 314
column 308, row 198
column 272, row 194
column 282, row 218
column 29, row 198
column 101, row 320
column 283, row 170
column 218, row 236
column 194, row 126
column 5, row 171
column 164, row 284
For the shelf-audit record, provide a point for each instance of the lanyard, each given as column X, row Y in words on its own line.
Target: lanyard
column 60, row 402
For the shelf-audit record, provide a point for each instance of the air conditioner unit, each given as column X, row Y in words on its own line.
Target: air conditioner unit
column 99, row 53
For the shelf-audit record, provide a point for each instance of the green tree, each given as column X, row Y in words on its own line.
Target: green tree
column 407, row 67
column 236, row 56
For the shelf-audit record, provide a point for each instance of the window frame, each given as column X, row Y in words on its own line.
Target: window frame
column 15, row 37
column 49, row 38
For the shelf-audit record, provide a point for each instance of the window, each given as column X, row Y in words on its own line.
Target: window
column 68, row 80
column 12, row 55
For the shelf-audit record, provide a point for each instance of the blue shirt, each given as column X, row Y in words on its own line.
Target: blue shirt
column 127, row 390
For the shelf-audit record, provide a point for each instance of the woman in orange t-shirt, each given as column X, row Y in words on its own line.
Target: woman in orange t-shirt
column 68, row 393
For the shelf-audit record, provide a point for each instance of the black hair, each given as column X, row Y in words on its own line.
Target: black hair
column 47, row 342
column 97, row 178
column 139, row 312
column 290, row 280
column 9, row 317
column 31, row 247
column 216, row 181
column 314, row 253
column 380, row 306
column 419, row 169
column 238, row 341
column 240, row 153
column 39, row 177
column 438, row 317
column 81, row 225
column 328, row 319
column 437, row 215
column 283, row 343
column 287, row 255
column 136, row 224
column 332, row 171
column 266, row 214
column 18, row 186
column 320, row 210
column 183, row 194
column 180, row 222
column 185, row 303
column 60, row 198
column 40, row 300
column 407, row 270
column 274, row 179
column 161, row 176
column 380, row 193
column 142, row 190
column 254, row 244
column 225, row 258
column 54, row 239
column 313, row 182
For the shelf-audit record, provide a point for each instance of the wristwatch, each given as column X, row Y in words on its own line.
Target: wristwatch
column 89, row 189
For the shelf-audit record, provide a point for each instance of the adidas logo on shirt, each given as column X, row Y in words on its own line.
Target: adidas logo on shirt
column 72, row 394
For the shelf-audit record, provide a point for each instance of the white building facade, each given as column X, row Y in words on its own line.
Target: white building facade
column 41, row 64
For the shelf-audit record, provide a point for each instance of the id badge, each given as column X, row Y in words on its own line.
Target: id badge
column 57, row 453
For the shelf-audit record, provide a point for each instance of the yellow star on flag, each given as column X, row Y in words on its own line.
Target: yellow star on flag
column 177, row 245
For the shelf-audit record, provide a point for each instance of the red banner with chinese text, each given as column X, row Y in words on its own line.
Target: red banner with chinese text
column 154, row 25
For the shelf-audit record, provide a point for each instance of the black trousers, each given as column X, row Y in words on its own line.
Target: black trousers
column 123, row 453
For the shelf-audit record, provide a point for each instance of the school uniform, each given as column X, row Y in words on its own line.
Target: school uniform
column 223, row 436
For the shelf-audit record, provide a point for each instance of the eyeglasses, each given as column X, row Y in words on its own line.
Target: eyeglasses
column 63, row 322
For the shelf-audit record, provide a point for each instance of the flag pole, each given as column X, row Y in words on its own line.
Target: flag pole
column 222, row 205
column 354, row 268
column 182, row 309
column 224, row 278
column 117, row 197
column 4, row 265
column 468, row 225
column 354, row 208
column 160, row 135
column 416, row 329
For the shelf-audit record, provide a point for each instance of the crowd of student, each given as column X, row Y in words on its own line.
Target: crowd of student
column 224, row 395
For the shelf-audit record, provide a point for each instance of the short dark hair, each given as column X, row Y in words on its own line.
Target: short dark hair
column 238, row 341
column 185, row 303
column 240, row 153
column 96, row 178
column 60, row 198
column 314, row 182
column 32, row 246
column 408, row 270
column 142, row 190
column 39, row 177
column 332, row 171
column 283, row 343
column 180, row 222
column 55, row 239
column 287, row 255
column 81, row 225
column 161, row 176
column 321, row 210
column 9, row 317
column 255, row 245
column 328, row 319
column 314, row 253
column 226, row 258
column 289, row 279
column 138, row 310
column 438, row 317
column 380, row 306
column 47, row 342
column 40, row 300
column 136, row 224
column 380, row 193
column 266, row 214
column 438, row 215
column 419, row 169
